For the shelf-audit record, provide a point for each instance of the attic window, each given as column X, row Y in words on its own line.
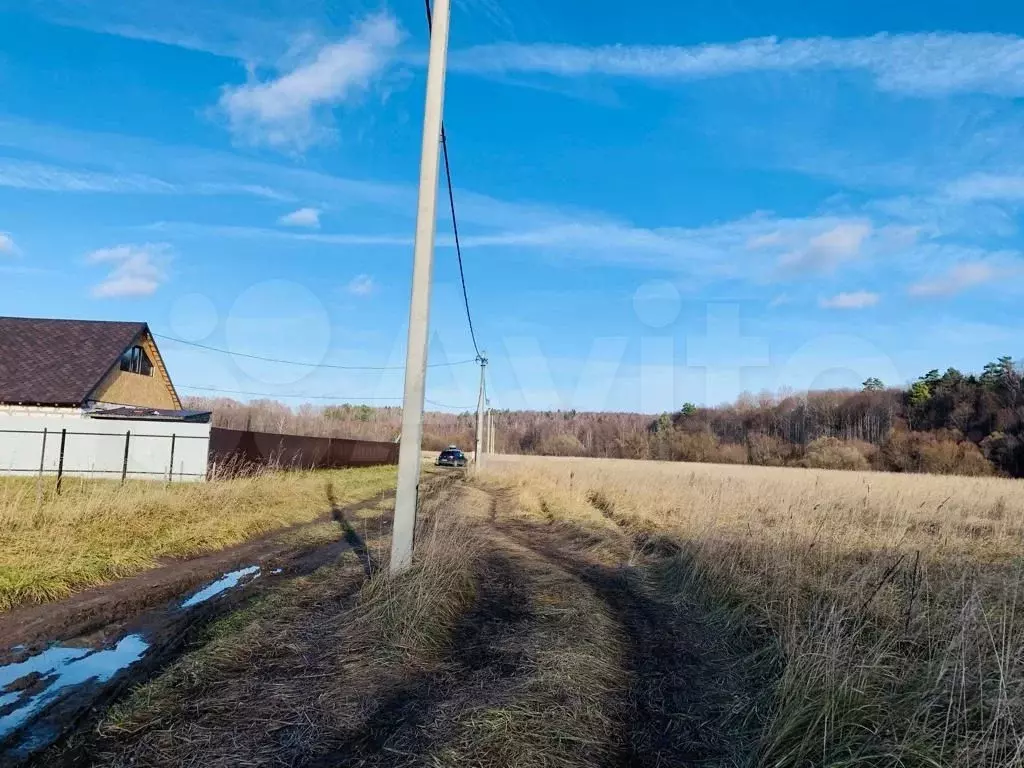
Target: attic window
column 135, row 360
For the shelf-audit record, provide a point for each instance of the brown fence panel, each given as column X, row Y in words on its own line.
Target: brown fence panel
column 239, row 448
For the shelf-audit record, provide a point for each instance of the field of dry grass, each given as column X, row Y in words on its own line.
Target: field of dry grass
column 97, row 531
column 578, row 612
column 889, row 600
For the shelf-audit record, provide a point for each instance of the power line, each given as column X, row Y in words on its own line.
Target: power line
column 307, row 365
column 451, row 201
column 279, row 394
column 311, row 397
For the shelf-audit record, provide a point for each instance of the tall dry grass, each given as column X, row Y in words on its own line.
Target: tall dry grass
column 891, row 600
column 97, row 531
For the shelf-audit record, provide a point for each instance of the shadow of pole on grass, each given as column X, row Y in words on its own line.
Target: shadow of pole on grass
column 479, row 670
column 352, row 538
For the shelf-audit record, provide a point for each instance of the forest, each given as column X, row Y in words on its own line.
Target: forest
column 944, row 422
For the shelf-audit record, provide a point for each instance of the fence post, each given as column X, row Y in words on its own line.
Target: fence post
column 39, row 480
column 124, row 464
column 170, row 466
column 60, row 462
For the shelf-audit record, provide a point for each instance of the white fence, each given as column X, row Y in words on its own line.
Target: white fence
column 117, row 449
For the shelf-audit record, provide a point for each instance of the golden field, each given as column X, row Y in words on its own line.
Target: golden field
column 888, row 601
column 97, row 530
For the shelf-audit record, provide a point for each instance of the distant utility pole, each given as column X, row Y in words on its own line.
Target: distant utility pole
column 409, row 456
column 490, row 431
column 481, row 405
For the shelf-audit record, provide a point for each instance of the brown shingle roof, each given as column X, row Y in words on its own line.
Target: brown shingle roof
column 58, row 362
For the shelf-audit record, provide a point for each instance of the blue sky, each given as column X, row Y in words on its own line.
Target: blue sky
column 659, row 203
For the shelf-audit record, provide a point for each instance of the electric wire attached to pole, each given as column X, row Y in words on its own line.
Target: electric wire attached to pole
column 371, row 368
column 451, row 202
column 480, row 442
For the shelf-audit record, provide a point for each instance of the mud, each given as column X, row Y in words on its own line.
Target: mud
column 68, row 660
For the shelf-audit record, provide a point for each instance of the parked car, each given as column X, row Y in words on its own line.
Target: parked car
column 451, row 457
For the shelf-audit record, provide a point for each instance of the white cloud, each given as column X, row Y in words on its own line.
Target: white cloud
column 193, row 229
column 43, row 177
column 924, row 64
column 769, row 240
column 713, row 251
column 779, row 300
column 960, row 277
column 20, row 174
column 855, row 300
column 362, row 285
column 7, row 246
column 828, row 250
column 239, row 29
column 283, row 112
column 304, row 217
column 136, row 270
column 986, row 186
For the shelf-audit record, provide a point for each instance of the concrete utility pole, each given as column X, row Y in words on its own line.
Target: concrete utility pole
column 490, row 431
column 480, row 407
column 409, row 456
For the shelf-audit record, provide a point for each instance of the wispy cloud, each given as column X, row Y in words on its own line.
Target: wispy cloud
column 230, row 189
column 258, row 33
column 304, row 217
column 719, row 250
column 283, row 112
column 196, row 168
column 136, row 270
column 826, row 251
column 195, row 229
column 924, row 64
column 958, row 278
column 361, row 285
column 7, row 246
column 21, row 174
column 854, row 300
column 44, row 177
column 986, row 186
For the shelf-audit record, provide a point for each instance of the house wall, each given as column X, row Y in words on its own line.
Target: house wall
column 39, row 411
column 123, row 388
column 95, row 447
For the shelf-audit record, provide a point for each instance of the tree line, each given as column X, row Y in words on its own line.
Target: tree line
column 951, row 422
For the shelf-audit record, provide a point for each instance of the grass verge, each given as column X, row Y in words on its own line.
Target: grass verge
column 97, row 531
column 892, row 600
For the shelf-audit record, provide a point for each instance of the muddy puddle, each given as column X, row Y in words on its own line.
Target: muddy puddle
column 222, row 585
column 45, row 694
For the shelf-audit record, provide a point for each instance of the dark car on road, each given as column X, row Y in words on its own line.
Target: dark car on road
column 451, row 457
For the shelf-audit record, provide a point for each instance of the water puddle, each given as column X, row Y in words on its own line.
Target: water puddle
column 224, row 583
column 59, row 668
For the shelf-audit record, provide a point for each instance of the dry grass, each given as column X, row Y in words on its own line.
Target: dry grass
column 481, row 654
column 310, row 668
column 97, row 531
column 892, row 598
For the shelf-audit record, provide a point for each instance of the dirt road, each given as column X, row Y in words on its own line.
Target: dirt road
column 64, row 660
column 567, row 647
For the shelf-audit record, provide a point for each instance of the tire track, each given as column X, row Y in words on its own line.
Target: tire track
column 684, row 693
